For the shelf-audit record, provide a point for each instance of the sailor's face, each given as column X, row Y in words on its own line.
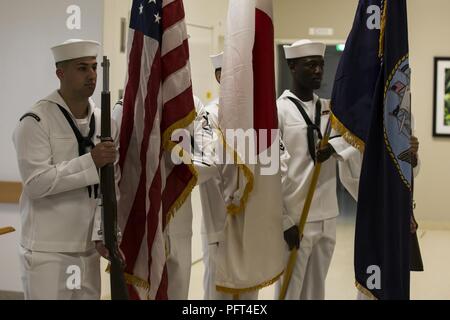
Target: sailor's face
column 81, row 76
column 308, row 71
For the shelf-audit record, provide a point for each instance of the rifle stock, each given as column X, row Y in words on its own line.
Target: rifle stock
column 119, row 289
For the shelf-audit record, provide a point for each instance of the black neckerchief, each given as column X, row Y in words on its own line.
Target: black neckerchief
column 84, row 143
column 312, row 127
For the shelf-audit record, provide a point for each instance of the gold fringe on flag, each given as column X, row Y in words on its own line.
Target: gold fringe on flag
column 234, row 291
column 169, row 146
column 236, row 209
column 136, row 281
column 232, row 208
column 382, row 29
column 346, row 134
column 364, row 291
column 132, row 280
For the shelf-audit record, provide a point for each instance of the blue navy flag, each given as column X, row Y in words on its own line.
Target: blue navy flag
column 382, row 238
column 357, row 74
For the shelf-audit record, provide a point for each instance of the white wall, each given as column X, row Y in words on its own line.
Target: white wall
column 205, row 18
column 294, row 18
column 210, row 13
column 114, row 11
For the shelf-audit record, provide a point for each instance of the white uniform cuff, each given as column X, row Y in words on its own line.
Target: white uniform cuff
column 288, row 222
column 342, row 148
column 90, row 169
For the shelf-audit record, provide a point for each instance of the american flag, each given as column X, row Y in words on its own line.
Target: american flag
column 158, row 100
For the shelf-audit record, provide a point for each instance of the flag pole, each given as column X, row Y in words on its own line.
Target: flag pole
column 301, row 226
column 6, row 230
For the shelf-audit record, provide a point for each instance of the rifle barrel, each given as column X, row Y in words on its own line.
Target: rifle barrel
column 119, row 289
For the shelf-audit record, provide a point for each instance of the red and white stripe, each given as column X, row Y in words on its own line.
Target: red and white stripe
column 264, row 95
column 158, row 95
column 248, row 98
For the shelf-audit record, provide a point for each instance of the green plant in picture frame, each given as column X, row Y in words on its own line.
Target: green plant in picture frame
column 441, row 106
column 447, row 97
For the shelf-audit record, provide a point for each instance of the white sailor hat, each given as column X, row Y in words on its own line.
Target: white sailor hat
column 217, row 60
column 304, row 48
column 74, row 49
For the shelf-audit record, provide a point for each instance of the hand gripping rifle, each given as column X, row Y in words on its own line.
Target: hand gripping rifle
column 119, row 289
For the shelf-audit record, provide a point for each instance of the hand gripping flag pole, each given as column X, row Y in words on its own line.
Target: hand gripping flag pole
column 301, row 226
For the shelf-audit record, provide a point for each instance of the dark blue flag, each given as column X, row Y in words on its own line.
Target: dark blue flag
column 357, row 74
column 382, row 237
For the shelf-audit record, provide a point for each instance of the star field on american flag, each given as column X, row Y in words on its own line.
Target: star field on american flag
column 146, row 18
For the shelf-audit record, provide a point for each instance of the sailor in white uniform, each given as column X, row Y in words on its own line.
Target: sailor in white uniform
column 213, row 205
column 300, row 114
column 59, row 155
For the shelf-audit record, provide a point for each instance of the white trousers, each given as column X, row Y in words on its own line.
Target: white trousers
column 313, row 261
column 209, row 281
column 179, row 263
column 60, row 276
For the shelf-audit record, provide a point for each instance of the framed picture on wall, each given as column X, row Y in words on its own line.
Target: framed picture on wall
column 441, row 113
